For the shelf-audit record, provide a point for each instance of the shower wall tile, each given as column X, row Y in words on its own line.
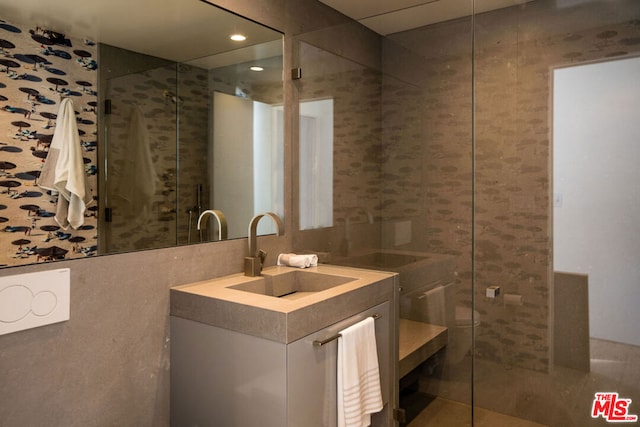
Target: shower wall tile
column 516, row 49
column 141, row 224
column 193, row 100
column 166, row 95
column 403, row 168
column 356, row 93
column 514, row 129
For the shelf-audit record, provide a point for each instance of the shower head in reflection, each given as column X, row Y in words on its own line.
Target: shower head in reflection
column 168, row 95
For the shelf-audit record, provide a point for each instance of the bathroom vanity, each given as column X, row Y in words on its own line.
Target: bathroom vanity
column 418, row 272
column 263, row 350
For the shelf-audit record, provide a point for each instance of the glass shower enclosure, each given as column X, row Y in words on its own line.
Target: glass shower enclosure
column 490, row 161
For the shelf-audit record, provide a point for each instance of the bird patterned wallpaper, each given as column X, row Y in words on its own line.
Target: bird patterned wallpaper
column 38, row 67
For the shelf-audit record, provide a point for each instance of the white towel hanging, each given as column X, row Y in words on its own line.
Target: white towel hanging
column 359, row 392
column 63, row 171
column 137, row 181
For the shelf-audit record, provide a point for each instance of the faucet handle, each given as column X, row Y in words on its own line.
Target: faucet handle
column 252, row 266
column 262, row 255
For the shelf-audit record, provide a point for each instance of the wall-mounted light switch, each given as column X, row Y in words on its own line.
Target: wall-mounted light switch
column 402, row 233
column 557, row 200
column 34, row 299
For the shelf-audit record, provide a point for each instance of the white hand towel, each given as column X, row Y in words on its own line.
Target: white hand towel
column 299, row 261
column 63, row 170
column 137, row 181
column 359, row 393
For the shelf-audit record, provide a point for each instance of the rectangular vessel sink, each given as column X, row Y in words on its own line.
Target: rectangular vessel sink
column 285, row 303
column 292, row 284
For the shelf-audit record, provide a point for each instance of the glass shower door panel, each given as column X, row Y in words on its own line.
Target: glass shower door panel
column 427, row 194
column 141, row 161
column 542, row 351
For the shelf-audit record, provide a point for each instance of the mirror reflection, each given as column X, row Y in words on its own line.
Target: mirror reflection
column 152, row 92
column 340, row 146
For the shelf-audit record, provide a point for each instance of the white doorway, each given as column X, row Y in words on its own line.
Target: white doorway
column 596, row 186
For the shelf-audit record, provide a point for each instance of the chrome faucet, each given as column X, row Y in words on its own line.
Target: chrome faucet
column 254, row 262
column 222, row 222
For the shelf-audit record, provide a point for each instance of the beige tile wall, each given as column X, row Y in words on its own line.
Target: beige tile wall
column 515, row 51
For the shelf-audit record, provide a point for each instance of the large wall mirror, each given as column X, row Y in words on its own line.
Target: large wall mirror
column 169, row 116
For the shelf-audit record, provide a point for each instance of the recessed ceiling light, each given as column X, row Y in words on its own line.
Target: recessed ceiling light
column 238, row 37
column 256, row 68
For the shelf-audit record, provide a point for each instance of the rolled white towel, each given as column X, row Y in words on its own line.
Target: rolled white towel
column 299, row 261
column 313, row 259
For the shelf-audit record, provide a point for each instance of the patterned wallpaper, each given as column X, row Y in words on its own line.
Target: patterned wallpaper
column 37, row 67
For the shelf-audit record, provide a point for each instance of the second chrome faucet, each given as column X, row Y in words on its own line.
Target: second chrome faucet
column 222, row 222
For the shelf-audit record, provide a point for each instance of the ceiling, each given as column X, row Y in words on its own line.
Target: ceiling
column 180, row 30
column 392, row 16
column 188, row 29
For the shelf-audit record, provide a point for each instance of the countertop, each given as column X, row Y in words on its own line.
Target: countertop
column 213, row 302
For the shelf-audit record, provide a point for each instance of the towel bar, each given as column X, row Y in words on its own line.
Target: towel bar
column 320, row 343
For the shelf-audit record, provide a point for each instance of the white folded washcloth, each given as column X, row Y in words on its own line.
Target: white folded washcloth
column 359, row 392
column 300, row 261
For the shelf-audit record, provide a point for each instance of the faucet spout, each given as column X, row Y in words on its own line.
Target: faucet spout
column 222, row 222
column 355, row 210
column 253, row 263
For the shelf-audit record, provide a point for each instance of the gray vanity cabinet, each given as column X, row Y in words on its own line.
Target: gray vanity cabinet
column 221, row 377
column 225, row 378
column 311, row 380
